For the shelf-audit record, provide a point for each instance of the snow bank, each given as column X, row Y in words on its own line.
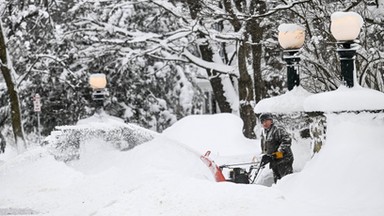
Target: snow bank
column 166, row 176
column 346, row 177
column 102, row 178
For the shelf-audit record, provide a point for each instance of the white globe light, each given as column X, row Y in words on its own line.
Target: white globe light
column 345, row 26
column 98, row 81
column 291, row 36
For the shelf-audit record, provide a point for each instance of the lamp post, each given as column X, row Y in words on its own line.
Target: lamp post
column 98, row 82
column 291, row 38
column 345, row 27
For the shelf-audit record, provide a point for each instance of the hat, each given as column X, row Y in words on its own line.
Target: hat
column 265, row 116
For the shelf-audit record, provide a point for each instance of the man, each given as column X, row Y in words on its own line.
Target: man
column 276, row 142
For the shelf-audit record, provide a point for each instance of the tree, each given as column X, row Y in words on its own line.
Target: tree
column 114, row 38
column 152, row 52
column 7, row 72
column 248, row 33
column 203, row 29
column 30, row 35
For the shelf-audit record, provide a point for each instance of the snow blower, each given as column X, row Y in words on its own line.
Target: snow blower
column 237, row 172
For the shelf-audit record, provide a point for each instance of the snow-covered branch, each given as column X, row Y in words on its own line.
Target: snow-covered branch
column 235, row 16
column 170, row 8
column 209, row 65
column 277, row 9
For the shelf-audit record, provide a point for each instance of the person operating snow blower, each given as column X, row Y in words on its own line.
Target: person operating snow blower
column 276, row 143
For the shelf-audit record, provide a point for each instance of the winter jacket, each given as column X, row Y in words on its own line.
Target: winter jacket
column 276, row 139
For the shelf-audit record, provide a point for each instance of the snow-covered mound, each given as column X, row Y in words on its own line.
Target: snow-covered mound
column 102, row 177
column 345, row 99
column 347, row 176
column 291, row 101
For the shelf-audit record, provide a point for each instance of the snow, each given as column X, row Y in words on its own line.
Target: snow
column 211, row 65
column 347, row 175
column 230, row 92
column 298, row 99
column 291, row 101
column 344, row 98
column 105, row 121
column 289, row 27
column 205, row 132
column 343, row 15
column 165, row 176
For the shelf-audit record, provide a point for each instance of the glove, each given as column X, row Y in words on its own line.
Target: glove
column 278, row 155
column 265, row 159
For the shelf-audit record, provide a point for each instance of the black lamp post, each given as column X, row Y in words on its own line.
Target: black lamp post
column 98, row 83
column 347, row 59
column 292, row 60
column 345, row 27
column 291, row 39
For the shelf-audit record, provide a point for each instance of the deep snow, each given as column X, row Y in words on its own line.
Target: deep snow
column 166, row 177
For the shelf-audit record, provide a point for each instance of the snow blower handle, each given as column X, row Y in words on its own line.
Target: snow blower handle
column 265, row 159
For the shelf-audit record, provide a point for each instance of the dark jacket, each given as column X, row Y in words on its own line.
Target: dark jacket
column 276, row 139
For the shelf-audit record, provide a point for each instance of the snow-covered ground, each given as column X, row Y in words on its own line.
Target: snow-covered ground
column 165, row 176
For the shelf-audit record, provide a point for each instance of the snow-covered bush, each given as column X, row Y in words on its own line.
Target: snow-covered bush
column 65, row 141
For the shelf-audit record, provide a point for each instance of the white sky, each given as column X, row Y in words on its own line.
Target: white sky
column 166, row 177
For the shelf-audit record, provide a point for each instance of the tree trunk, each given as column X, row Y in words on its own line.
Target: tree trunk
column 6, row 70
column 246, row 94
column 246, row 91
column 215, row 80
column 256, row 32
column 207, row 55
